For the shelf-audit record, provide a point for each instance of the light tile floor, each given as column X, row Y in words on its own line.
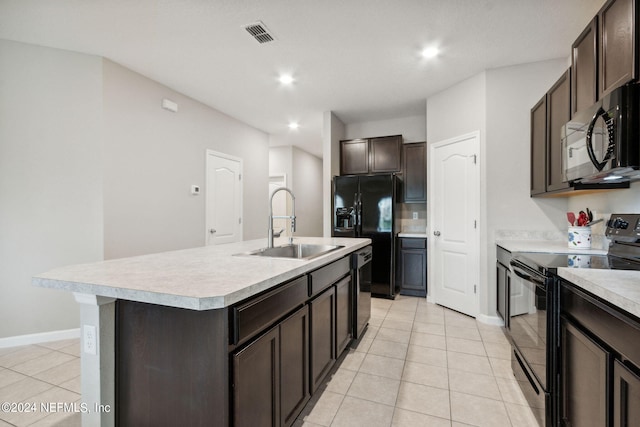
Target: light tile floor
column 418, row 365
column 44, row 376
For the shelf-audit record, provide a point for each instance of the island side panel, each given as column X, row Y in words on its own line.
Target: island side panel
column 171, row 365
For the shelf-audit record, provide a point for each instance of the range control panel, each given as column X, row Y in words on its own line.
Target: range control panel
column 623, row 225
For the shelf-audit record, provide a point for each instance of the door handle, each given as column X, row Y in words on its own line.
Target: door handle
column 212, row 231
column 436, row 233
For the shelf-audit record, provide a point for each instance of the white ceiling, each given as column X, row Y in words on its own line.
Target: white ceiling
column 357, row 58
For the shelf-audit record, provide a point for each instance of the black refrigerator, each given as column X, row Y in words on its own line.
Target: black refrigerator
column 365, row 206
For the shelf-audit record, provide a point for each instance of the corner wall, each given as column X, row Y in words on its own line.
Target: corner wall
column 50, row 180
column 153, row 156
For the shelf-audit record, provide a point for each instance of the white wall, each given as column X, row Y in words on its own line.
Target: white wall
column 608, row 202
column 50, row 180
column 511, row 92
column 498, row 103
column 304, row 177
column 153, row 156
column 333, row 130
column 412, row 129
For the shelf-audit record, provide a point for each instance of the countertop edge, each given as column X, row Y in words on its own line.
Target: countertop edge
column 200, row 302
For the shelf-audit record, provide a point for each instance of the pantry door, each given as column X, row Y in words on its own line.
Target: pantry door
column 454, row 208
column 224, row 199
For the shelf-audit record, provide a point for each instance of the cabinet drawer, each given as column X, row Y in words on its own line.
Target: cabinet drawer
column 325, row 276
column 258, row 313
column 413, row 243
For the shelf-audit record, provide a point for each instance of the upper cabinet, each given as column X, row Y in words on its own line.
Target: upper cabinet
column 618, row 43
column 584, row 68
column 547, row 118
column 414, row 173
column 370, row 156
column 604, row 56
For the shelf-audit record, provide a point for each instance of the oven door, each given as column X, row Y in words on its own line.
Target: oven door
column 528, row 327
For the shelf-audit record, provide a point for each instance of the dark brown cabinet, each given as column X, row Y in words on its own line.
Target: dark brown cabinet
column 256, row 382
column 270, row 380
column 322, row 336
column 370, row 156
column 414, row 173
column 547, row 118
column 618, row 44
column 599, row 355
column 583, row 368
column 604, row 56
column 412, row 266
column 503, row 282
column 343, row 314
column 626, row 395
column 584, row 68
column 538, row 147
column 354, row 157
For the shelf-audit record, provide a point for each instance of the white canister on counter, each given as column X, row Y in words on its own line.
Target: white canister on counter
column 579, row 238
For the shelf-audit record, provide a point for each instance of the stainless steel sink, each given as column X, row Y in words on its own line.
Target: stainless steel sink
column 294, row 251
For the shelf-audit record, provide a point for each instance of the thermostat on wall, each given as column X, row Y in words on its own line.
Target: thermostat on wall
column 195, row 190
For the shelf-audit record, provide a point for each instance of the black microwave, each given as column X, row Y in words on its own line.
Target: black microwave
column 601, row 144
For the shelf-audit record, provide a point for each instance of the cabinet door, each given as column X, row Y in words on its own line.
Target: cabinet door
column 584, row 66
column 385, row 154
column 584, row 367
column 501, row 290
column 354, row 157
column 538, row 146
column 617, row 44
column 558, row 114
column 294, row 367
column 415, row 172
column 256, row 391
column 626, row 396
column 343, row 315
column 413, row 267
column 322, row 336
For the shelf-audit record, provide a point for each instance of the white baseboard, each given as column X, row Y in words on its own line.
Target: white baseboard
column 490, row 320
column 39, row 338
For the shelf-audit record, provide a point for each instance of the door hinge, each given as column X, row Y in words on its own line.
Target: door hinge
column 475, row 289
column 239, row 177
column 475, row 223
column 239, row 220
column 475, row 159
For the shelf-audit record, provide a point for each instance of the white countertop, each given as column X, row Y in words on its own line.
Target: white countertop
column 547, row 246
column 199, row 279
column 619, row 287
column 413, row 235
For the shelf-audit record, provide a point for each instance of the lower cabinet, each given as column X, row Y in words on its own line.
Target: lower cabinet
column 583, row 369
column 626, row 395
column 599, row 359
column 503, row 283
column 270, row 384
column 322, row 336
column 344, row 319
column 412, row 266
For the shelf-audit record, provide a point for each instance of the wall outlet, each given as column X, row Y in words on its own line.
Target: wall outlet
column 415, row 215
column 89, row 339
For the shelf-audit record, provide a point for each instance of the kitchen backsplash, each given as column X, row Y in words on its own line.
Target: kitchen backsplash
column 405, row 221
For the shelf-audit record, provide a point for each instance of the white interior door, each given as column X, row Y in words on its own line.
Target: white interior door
column 224, row 199
column 454, row 208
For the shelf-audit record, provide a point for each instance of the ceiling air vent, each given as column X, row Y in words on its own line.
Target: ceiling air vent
column 260, row 32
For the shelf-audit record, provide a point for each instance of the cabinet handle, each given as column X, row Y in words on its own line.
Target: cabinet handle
column 436, row 233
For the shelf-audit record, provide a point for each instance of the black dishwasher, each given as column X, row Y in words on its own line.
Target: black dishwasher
column 361, row 298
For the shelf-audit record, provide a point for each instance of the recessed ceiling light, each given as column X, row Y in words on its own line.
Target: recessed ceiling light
column 430, row 52
column 294, row 125
column 285, row 79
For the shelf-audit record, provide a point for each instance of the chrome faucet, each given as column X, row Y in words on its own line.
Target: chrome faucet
column 292, row 217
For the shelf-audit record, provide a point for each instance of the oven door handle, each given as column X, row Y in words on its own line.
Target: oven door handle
column 522, row 273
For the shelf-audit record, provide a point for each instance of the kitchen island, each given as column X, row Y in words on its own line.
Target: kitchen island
column 170, row 338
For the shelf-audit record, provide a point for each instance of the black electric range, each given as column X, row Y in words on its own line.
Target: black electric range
column 533, row 308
